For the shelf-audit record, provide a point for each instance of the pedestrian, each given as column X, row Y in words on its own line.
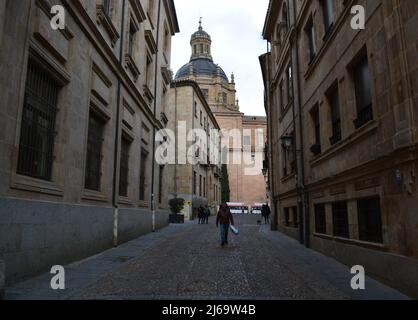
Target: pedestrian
column 207, row 214
column 265, row 212
column 200, row 214
column 225, row 219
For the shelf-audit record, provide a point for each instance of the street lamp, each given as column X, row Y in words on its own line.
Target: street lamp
column 287, row 141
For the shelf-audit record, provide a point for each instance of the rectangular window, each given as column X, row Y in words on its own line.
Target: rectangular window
column 370, row 220
column 106, row 6
column 148, row 72
column 281, row 96
column 362, row 83
column 247, row 140
column 328, row 9
column 38, row 124
column 201, row 118
column 320, row 219
column 340, row 219
column 131, row 38
column 204, row 187
column 287, row 217
column 225, row 97
column 206, row 94
column 194, row 183
column 200, row 185
column 310, row 31
column 124, row 168
column 295, row 217
column 142, row 175
column 289, row 84
column 160, row 185
column 94, row 153
column 316, row 147
column 334, row 101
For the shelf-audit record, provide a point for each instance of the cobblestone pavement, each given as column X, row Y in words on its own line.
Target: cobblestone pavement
column 187, row 262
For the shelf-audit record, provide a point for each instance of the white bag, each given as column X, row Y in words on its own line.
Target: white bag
column 234, row 230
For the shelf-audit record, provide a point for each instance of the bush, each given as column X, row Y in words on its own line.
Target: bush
column 176, row 205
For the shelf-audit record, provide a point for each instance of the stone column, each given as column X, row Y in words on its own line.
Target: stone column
column 2, row 278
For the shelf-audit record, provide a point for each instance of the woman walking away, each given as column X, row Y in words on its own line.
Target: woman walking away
column 224, row 218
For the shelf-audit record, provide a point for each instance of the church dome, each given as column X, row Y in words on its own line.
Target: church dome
column 201, row 67
column 201, row 62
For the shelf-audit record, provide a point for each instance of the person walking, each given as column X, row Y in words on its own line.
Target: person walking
column 200, row 214
column 225, row 219
column 265, row 212
column 207, row 214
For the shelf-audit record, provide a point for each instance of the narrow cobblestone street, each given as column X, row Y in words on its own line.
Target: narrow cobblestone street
column 187, row 262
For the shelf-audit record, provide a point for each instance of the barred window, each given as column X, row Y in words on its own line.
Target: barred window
column 124, row 168
column 340, row 219
column 320, row 219
column 370, row 220
column 38, row 124
column 142, row 175
column 94, row 153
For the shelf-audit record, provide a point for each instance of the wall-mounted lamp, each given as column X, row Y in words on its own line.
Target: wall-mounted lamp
column 287, row 141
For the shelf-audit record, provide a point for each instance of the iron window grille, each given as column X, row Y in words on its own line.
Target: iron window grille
column 94, row 153
column 340, row 219
column 370, row 220
column 37, row 134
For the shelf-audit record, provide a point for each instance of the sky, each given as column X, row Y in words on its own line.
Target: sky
column 235, row 27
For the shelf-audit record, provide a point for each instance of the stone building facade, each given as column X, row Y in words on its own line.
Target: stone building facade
column 196, row 176
column 245, row 172
column 79, row 110
column 343, row 132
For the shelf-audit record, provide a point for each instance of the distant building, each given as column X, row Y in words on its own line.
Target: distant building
column 198, row 183
column 79, row 108
column 246, row 180
column 342, row 145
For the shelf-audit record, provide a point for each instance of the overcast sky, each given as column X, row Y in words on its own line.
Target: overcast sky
column 235, row 27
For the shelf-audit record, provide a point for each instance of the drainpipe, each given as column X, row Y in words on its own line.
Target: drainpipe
column 117, row 129
column 176, row 139
column 153, row 205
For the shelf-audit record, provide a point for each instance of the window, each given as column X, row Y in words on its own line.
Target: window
column 94, row 153
column 194, row 183
column 160, row 185
column 201, row 118
column 166, row 40
column 363, row 93
column 328, row 9
column 289, row 84
column 124, row 168
column 131, row 38
column 247, row 140
column 287, row 217
column 204, row 187
column 340, row 219
column 195, row 49
column 285, row 15
column 310, row 31
column 148, row 73
column 316, row 147
column 106, row 6
column 295, row 217
column 201, row 48
column 195, row 109
column 200, row 185
column 370, row 220
column 281, row 95
column 334, row 101
column 37, row 131
column 142, row 175
column 206, row 94
column 225, row 97
column 320, row 219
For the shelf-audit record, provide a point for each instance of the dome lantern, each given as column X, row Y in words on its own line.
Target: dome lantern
column 201, row 44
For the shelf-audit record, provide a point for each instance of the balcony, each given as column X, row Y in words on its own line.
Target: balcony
column 364, row 116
